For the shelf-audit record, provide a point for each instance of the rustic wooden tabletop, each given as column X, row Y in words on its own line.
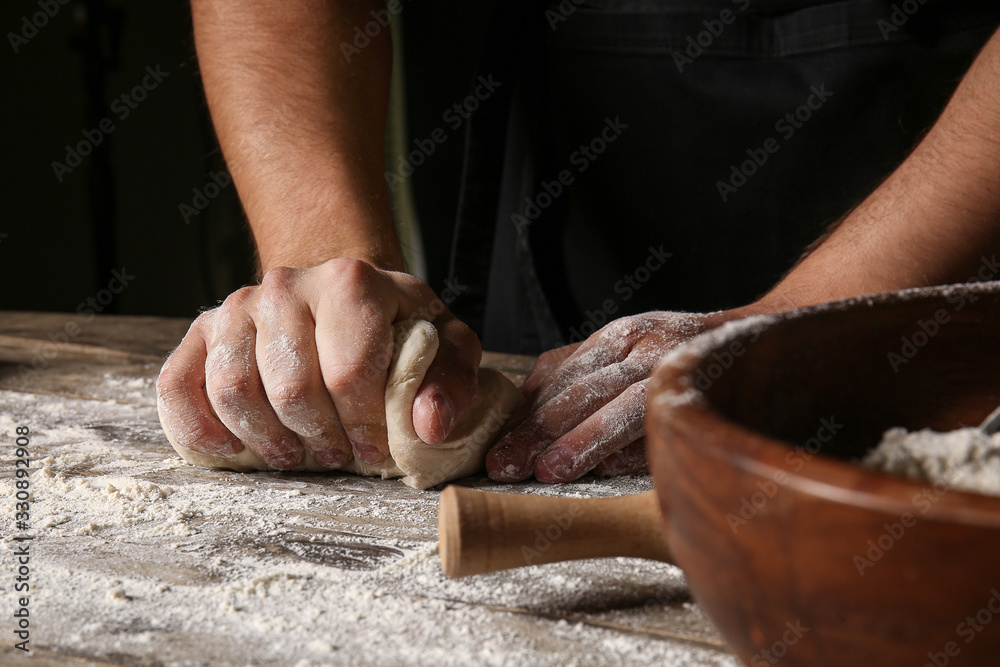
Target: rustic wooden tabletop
column 140, row 559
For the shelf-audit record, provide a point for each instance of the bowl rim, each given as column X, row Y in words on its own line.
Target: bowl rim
column 674, row 402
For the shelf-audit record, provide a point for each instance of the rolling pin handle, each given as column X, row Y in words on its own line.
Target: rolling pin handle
column 482, row 531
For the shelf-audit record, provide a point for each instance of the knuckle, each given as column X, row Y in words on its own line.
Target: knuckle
column 231, row 315
column 173, row 381
column 617, row 336
column 238, row 299
column 201, row 329
column 228, row 393
column 350, row 376
column 202, row 322
column 348, row 271
column 353, row 281
column 360, row 369
column 194, row 435
column 279, row 281
column 616, row 327
column 291, row 396
column 194, row 429
column 168, row 383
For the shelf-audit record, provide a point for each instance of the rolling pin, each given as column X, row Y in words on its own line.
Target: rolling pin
column 482, row 531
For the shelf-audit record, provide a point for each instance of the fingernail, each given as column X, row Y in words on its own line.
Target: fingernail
column 332, row 458
column 511, row 460
column 230, row 448
column 286, row 460
column 558, row 463
column 368, row 453
column 445, row 413
column 361, row 438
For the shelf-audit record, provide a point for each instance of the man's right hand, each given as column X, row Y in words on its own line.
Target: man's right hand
column 300, row 361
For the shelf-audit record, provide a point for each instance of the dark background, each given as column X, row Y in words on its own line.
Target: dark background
column 63, row 238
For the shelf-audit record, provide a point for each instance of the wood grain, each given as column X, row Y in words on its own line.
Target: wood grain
column 775, row 525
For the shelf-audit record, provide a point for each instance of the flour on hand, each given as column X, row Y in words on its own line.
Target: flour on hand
column 419, row 464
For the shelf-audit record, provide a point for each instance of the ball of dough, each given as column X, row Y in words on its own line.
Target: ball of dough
column 419, row 464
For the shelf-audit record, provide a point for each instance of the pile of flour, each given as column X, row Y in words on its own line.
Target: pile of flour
column 966, row 459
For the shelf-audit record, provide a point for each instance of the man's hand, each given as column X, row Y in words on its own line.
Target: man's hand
column 933, row 221
column 299, row 363
column 586, row 403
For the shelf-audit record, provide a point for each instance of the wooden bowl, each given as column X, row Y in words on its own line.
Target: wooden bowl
column 799, row 555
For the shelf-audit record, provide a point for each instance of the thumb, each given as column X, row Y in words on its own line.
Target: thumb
column 449, row 385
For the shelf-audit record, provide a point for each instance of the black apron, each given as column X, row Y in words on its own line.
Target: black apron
column 670, row 155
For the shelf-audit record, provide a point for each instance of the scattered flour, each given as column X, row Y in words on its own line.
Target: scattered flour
column 142, row 559
column 966, row 459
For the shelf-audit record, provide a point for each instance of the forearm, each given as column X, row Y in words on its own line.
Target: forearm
column 301, row 127
column 931, row 221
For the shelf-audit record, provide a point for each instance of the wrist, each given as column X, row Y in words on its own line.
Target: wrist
column 768, row 304
column 301, row 236
column 384, row 255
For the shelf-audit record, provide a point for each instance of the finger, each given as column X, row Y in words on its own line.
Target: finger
column 237, row 394
column 354, row 359
column 290, row 371
column 620, row 423
column 579, row 363
column 183, row 404
column 513, row 457
column 547, row 362
column 629, row 461
column 450, row 383
column 592, row 355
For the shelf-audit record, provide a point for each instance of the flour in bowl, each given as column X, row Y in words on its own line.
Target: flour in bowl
column 966, row 459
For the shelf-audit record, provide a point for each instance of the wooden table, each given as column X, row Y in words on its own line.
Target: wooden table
column 140, row 559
